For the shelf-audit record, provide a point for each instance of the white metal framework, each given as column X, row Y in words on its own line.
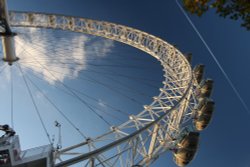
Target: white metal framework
column 160, row 126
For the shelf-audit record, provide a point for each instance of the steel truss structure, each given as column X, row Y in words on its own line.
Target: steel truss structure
column 156, row 129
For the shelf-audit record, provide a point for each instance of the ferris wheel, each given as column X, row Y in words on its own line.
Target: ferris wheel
column 171, row 122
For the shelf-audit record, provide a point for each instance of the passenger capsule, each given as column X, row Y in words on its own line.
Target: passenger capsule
column 206, row 88
column 187, row 149
column 204, row 114
column 198, row 72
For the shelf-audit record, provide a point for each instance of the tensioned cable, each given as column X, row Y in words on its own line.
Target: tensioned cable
column 132, row 99
column 107, row 113
column 106, row 86
column 111, row 88
column 133, row 78
column 96, row 65
column 124, row 86
column 36, row 86
column 37, row 38
column 61, row 54
column 109, row 73
column 121, row 75
column 215, row 59
column 122, row 66
column 116, row 65
column 35, row 105
column 2, row 69
column 114, row 59
column 58, row 109
column 80, row 92
column 90, row 79
column 76, row 96
column 2, row 62
column 87, row 70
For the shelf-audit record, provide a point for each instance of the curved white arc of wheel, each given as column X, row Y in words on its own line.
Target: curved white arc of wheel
column 178, row 73
column 114, row 144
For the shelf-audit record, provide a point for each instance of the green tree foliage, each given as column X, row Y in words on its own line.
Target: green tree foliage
column 233, row 9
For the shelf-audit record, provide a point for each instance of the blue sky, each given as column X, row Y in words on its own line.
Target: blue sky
column 226, row 141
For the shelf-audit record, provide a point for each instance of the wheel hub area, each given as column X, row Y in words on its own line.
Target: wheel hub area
column 9, row 54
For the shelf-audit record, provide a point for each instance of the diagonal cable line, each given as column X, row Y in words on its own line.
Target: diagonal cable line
column 89, row 79
column 3, row 68
column 60, row 111
column 35, row 105
column 121, row 84
column 110, row 73
column 101, row 66
column 215, row 59
column 76, row 96
column 57, row 108
column 53, row 33
column 82, row 93
column 92, row 80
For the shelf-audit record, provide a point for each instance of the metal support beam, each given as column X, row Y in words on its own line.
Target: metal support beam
column 9, row 54
column 92, row 162
column 153, row 140
column 152, row 143
column 4, row 17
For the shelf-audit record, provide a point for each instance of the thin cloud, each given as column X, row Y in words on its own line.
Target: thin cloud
column 57, row 59
column 101, row 103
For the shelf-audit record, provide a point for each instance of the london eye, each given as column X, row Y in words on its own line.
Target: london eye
column 47, row 54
